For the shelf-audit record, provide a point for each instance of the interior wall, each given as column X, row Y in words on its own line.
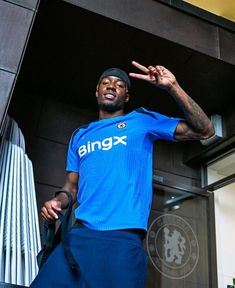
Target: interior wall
column 229, row 120
column 225, row 234
column 168, row 164
column 47, row 126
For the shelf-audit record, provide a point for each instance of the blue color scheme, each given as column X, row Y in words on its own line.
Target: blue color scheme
column 114, row 160
column 106, row 259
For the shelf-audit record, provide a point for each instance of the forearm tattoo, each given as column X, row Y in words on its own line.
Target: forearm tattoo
column 197, row 124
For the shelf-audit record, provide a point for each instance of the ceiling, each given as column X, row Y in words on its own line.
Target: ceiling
column 69, row 48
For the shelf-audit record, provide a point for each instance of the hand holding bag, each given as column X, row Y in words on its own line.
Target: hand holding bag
column 52, row 238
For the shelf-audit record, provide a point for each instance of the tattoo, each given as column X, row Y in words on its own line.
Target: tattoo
column 196, row 117
column 185, row 132
column 197, row 125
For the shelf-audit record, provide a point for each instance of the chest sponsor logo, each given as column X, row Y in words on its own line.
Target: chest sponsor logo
column 105, row 144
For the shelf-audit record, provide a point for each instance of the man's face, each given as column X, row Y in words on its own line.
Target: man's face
column 112, row 94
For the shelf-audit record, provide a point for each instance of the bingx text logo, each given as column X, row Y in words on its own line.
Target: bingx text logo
column 105, row 144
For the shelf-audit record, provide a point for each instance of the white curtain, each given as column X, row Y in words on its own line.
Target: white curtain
column 19, row 225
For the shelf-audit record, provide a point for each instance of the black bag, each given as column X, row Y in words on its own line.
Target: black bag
column 52, row 238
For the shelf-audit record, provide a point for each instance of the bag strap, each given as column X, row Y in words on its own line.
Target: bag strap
column 65, row 220
column 49, row 234
column 69, row 206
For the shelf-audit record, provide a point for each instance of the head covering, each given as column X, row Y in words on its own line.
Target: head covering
column 117, row 73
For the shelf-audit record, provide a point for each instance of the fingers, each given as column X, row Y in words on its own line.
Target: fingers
column 138, row 76
column 151, row 73
column 50, row 210
column 157, row 70
column 160, row 70
column 140, row 67
column 143, row 69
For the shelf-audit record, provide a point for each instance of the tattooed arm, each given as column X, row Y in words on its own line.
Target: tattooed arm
column 196, row 124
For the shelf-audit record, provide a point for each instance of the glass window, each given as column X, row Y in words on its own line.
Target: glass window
column 178, row 240
column 220, row 168
column 225, row 234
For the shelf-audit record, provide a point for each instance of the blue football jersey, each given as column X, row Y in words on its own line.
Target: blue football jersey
column 114, row 160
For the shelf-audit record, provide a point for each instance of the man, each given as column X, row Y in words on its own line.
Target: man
column 109, row 167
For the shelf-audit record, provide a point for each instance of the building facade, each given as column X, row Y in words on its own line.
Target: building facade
column 51, row 55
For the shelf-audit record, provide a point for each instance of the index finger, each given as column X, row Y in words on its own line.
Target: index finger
column 140, row 67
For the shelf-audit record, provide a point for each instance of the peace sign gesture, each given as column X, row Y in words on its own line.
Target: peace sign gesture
column 158, row 75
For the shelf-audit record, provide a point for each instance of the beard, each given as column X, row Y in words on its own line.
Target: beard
column 110, row 107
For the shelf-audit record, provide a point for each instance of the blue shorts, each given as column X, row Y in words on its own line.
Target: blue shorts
column 106, row 259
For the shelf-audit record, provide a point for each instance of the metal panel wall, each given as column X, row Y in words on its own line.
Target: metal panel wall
column 31, row 4
column 168, row 23
column 15, row 25
column 6, row 82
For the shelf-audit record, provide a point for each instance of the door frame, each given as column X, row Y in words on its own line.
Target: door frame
column 209, row 195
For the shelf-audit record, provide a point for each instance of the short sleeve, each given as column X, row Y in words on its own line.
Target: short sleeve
column 72, row 157
column 159, row 126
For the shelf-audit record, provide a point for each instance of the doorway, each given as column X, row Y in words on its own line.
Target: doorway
column 220, row 178
column 225, row 236
column 180, row 240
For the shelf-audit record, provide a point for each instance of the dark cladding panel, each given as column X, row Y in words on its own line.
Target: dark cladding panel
column 227, row 45
column 53, row 114
column 229, row 120
column 167, row 157
column 49, row 160
column 6, row 81
column 160, row 20
column 15, row 22
column 31, row 4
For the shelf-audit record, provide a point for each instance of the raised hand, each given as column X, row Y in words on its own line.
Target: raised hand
column 158, row 75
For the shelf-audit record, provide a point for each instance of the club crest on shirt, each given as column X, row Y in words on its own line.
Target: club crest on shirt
column 121, row 125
